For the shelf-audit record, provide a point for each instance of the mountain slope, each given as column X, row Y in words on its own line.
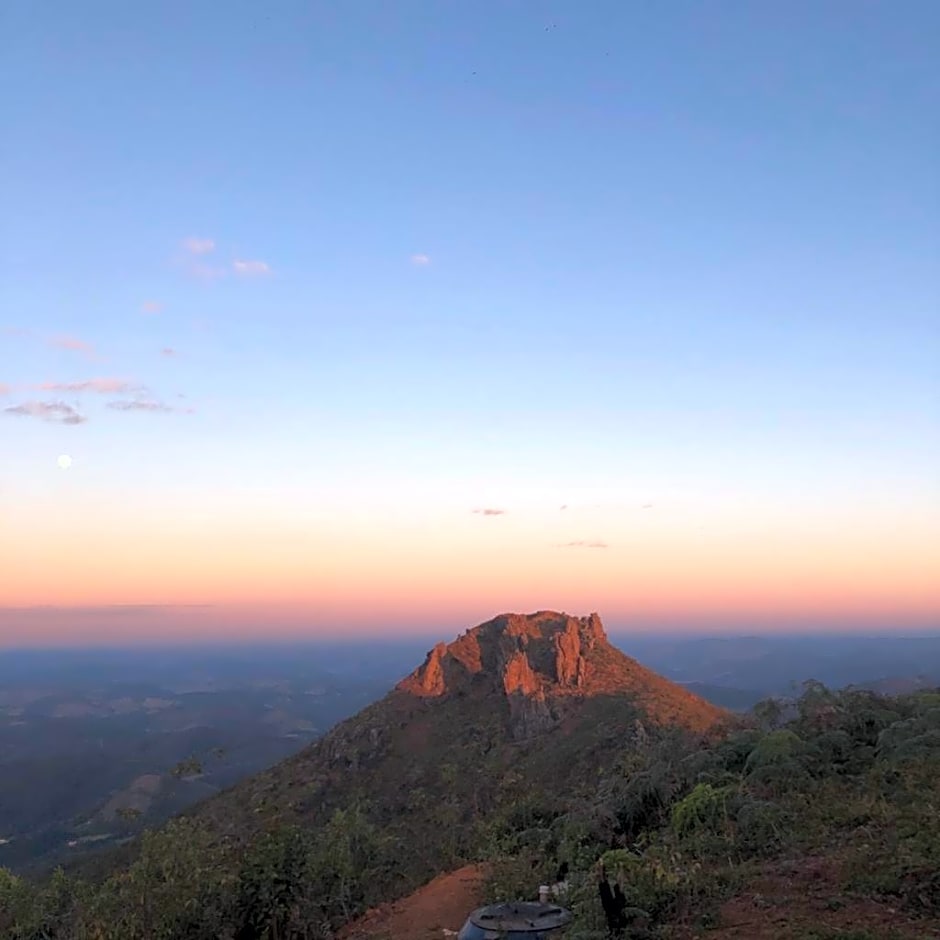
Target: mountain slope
column 522, row 706
column 518, row 718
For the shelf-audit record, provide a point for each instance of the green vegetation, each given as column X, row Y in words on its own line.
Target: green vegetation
column 853, row 779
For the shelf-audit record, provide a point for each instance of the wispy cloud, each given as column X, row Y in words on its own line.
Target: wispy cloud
column 581, row 544
column 5, row 389
column 198, row 246
column 168, row 351
column 251, row 268
column 194, row 259
column 73, row 344
column 151, row 306
column 101, row 386
column 199, row 259
column 420, row 260
column 56, row 412
column 490, row 512
column 204, row 272
column 147, row 405
column 99, row 609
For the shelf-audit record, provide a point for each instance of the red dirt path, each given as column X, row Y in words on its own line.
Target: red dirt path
column 441, row 904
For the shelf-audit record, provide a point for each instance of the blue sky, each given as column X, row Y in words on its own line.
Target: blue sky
column 682, row 251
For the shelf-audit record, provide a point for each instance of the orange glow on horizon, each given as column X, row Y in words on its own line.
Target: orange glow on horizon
column 234, row 575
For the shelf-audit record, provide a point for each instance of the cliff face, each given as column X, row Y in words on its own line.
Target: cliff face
column 541, row 663
column 524, row 653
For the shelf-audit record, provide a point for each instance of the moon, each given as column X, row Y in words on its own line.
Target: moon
column 64, row 461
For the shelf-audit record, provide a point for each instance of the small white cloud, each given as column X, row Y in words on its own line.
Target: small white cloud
column 151, row 306
column 251, row 268
column 139, row 406
column 199, row 246
column 168, row 351
column 420, row 260
column 155, row 407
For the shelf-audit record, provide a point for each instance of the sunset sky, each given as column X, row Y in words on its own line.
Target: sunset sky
column 385, row 317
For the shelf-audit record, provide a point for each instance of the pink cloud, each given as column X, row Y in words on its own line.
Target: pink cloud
column 101, row 386
column 168, row 351
column 490, row 512
column 73, row 344
column 5, row 389
column 54, row 411
column 151, row 306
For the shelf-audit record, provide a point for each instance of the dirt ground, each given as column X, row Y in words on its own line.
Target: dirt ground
column 796, row 900
column 442, row 904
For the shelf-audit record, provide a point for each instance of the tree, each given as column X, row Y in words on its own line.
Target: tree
column 768, row 712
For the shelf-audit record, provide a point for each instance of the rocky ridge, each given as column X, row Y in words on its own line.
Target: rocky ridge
column 537, row 660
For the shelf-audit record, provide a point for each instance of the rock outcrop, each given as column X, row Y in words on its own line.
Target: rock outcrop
column 534, row 661
column 429, row 678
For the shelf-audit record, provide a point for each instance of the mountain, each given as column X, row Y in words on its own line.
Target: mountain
column 483, row 719
column 546, row 665
column 520, row 709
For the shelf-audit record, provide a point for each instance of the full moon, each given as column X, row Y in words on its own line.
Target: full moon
column 64, row 462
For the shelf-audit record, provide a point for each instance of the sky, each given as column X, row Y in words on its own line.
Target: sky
column 375, row 318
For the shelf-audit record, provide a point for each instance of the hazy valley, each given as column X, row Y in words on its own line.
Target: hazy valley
column 97, row 745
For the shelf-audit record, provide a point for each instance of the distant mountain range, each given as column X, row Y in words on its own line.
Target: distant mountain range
column 738, row 671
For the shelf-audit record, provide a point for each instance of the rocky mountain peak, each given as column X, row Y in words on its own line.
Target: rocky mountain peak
column 541, row 664
column 522, row 653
